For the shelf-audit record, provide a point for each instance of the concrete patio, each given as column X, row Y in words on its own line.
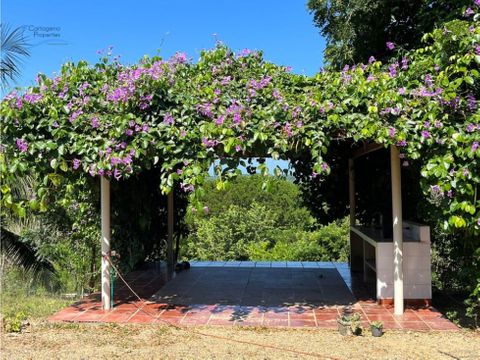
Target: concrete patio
column 273, row 294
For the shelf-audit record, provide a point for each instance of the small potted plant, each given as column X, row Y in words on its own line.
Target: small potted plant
column 377, row 328
column 349, row 324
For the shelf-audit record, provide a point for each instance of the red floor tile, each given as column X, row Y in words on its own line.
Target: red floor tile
column 304, row 316
column 408, row 316
column 302, row 323
column 195, row 320
column 220, row 321
column 413, row 325
column 275, row 322
column 383, row 317
column 141, row 318
column 391, row 325
column 91, row 316
column 253, row 322
column 117, row 317
column 442, row 325
column 326, row 317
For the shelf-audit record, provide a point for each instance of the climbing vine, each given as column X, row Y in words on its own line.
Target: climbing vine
column 181, row 117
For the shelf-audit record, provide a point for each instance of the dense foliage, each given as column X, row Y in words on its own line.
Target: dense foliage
column 244, row 222
column 116, row 120
column 355, row 30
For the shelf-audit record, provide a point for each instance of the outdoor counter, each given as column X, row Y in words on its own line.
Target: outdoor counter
column 373, row 255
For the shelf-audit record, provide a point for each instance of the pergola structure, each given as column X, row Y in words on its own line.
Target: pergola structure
column 397, row 230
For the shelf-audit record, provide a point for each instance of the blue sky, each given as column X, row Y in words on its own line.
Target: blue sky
column 282, row 29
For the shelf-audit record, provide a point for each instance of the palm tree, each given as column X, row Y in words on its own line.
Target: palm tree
column 14, row 48
column 12, row 249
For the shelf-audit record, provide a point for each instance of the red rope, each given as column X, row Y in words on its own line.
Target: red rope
column 266, row 346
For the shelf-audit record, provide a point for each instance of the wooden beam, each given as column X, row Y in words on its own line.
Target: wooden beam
column 105, row 240
column 365, row 149
column 397, row 230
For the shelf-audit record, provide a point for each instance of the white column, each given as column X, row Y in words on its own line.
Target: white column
column 105, row 240
column 351, row 190
column 170, row 226
column 397, row 229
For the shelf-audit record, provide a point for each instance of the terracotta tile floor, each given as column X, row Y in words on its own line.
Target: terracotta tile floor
column 282, row 294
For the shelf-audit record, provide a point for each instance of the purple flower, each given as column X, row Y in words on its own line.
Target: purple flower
column 470, row 128
column 117, row 174
column 76, row 164
column 238, row 148
column 425, row 134
column 220, row 120
column 477, row 3
column 180, row 58
column 404, row 63
column 370, row 78
column 237, row 118
column 475, row 146
column 19, row 103
column 245, row 52
column 402, row 143
column 391, row 132
column 469, row 12
column 22, row 145
column 129, row 132
column 206, row 210
column 32, row 98
column 167, row 119
column 435, row 189
column 183, row 133
column 371, row 60
column 55, row 124
column 401, row 91
column 288, row 130
column 392, row 70
column 226, row 80
column 299, row 124
column 450, row 193
column 390, row 45
column 471, row 102
column 95, row 122
column 324, row 166
column 205, row 109
column 75, row 115
column 428, row 80
column 179, row 172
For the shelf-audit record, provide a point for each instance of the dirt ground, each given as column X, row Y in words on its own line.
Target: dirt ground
column 106, row 341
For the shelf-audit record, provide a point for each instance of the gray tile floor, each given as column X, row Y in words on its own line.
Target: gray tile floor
column 260, row 284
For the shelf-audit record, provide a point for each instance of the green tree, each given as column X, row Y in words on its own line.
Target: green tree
column 14, row 48
column 358, row 29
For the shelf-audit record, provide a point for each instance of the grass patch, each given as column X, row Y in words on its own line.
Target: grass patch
column 33, row 306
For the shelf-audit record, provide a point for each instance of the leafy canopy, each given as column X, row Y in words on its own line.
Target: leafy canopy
column 114, row 120
column 358, row 29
